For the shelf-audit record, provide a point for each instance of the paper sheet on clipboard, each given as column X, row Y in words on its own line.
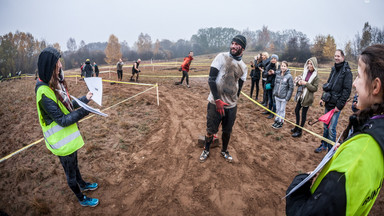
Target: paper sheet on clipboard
column 88, row 108
column 95, row 85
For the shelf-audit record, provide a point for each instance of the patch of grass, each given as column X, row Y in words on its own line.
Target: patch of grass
column 278, row 138
column 123, row 146
column 269, row 133
column 143, row 128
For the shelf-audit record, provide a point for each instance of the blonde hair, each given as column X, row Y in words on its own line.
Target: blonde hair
column 266, row 54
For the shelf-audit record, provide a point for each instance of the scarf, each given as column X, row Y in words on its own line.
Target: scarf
column 64, row 97
column 237, row 58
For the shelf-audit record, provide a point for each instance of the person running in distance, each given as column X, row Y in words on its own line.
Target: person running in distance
column 119, row 66
column 185, row 68
column 135, row 70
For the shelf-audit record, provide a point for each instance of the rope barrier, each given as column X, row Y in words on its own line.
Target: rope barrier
column 88, row 117
column 310, row 132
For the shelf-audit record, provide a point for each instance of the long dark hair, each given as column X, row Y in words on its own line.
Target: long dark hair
column 373, row 58
column 54, row 82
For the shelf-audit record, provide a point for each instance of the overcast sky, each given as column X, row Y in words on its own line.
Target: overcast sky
column 96, row 20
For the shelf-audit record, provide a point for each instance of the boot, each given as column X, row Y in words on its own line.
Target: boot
column 293, row 130
column 271, row 116
column 297, row 133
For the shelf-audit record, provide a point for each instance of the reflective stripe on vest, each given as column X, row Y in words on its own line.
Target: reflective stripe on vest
column 59, row 140
column 64, row 141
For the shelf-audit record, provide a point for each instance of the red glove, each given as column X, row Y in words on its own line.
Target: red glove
column 220, row 106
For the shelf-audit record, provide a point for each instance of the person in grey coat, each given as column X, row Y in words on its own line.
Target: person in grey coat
column 282, row 92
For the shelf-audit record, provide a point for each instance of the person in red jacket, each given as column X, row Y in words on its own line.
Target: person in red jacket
column 185, row 68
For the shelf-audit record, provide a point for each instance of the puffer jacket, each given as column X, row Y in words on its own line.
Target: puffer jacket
column 283, row 88
column 88, row 69
column 263, row 65
column 342, row 87
column 255, row 73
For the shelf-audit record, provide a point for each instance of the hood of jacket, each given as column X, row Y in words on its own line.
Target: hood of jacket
column 38, row 84
column 314, row 63
column 47, row 63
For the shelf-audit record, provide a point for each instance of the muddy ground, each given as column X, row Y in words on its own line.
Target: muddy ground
column 145, row 157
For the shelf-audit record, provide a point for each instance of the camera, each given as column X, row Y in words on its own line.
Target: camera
column 327, row 87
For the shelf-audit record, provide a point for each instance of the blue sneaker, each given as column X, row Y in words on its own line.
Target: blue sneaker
column 227, row 156
column 89, row 187
column 91, row 202
column 321, row 148
column 204, row 156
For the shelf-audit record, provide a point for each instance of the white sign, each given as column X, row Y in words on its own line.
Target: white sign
column 95, row 85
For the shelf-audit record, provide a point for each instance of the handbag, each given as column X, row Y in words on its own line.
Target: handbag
column 268, row 86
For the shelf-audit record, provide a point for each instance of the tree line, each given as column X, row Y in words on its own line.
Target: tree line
column 19, row 51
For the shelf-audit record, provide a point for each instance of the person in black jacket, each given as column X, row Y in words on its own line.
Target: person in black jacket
column 57, row 110
column 88, row 68
column 96, row 69
column 255, row 75
column 264, row 63
column 270, row 83
column 335, row 94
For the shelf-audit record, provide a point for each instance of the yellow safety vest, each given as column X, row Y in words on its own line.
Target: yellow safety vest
column 61, row 141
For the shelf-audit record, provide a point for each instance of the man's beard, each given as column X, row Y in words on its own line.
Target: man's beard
column 235, row 52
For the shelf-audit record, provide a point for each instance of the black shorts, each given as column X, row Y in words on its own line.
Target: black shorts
column 214, row 119
column 135, row 72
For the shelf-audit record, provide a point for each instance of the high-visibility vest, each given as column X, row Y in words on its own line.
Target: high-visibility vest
column 59, row 140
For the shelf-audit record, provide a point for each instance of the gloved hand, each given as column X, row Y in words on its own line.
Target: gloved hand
column 220, row 106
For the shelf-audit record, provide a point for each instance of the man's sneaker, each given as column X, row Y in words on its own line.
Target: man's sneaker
column 321, row 148
column 279, row 125
column 227, row 156
column 204, row 156
column 91, row 202
column 89, row 187
column 275, row 124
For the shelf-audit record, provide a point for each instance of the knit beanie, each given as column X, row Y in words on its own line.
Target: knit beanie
column 240, row 39
column 275, row 56
column 47, row 63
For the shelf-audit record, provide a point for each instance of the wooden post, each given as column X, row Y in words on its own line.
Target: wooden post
column 157, row 92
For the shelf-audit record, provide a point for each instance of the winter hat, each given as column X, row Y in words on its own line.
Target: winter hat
column 275, row 56
column 47, row 63
column 240, row 39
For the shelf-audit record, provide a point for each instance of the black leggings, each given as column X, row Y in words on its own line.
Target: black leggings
column 253, row 83
column 185, row 75
column 119, row 74
column 72, row 172
column 303, row 113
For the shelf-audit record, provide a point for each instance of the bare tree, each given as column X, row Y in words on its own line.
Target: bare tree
column 71, row 45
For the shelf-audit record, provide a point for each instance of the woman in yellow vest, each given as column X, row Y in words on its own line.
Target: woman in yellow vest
column 58, row 117
column 350, row 182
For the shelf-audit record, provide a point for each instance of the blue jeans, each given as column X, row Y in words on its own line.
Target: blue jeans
column 330, row 133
